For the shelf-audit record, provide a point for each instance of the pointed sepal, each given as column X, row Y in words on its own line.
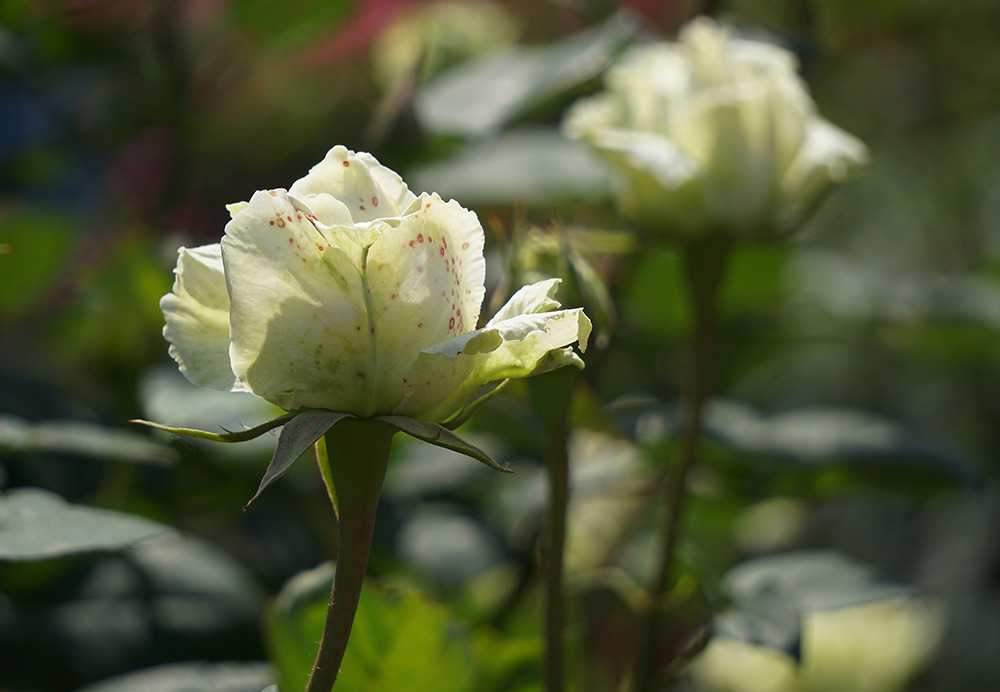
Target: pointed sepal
column 465, row 414
column 299, row 434
column 437, row 434
column 227, row 436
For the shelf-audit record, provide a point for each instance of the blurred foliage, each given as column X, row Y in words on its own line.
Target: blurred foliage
column 852, row 446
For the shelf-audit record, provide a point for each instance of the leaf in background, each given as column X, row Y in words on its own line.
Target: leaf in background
column 36, row 524
column 479, row 98
column 400, row 641
column 81, row 438
column 531, row 165
column 242, row 676
column 36, row 246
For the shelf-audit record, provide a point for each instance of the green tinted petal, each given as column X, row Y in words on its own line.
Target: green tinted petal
column 446, row 375
column 197, row 319
column 299, row 324
column 426, row 281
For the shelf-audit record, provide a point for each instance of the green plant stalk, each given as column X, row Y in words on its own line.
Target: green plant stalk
column 552, row 394
column 704, row 266
column 359, row 453
column 553, row 547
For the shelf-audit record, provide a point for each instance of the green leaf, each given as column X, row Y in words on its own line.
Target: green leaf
column 238, row 436
column 81, row 438
column 36, row 245
column 36, row 524
column 440, row 436
column 299, row 434
column 535, row 166
column 480, row 97
column 400, row 640
column 243, row 676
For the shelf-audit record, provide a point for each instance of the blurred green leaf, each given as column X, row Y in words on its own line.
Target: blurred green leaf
column 81, row 438
column 243, row 676
column 298, row 24
column 36, row 524
column 36, row 246
column 400, row 641
column 482, row 96
column 531, row 165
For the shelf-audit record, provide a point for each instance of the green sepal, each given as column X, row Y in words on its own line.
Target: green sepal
column 437, row 434
column 228, row 436
column 465, row 414
column 300, row 433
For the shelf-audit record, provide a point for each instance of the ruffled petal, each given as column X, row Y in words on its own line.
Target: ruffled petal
column 446, row 375
column 197, row 319
column 425, row 279
column 299, row 323
column 827, row 155
column 368, row 189
column 536, row 297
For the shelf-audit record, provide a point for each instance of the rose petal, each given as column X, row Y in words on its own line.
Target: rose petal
column 445, row 376
column 197, row 319
column 368, row 189
column 299, row 322
column 426, row 282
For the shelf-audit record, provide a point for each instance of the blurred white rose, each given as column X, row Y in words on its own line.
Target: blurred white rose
column 713, row 133
column 350, row 293
column 873, row 647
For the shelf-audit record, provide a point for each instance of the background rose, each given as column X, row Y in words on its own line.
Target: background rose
column 713, row 132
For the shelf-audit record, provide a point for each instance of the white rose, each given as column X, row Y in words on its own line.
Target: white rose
column 714, row 133
column 350, row 293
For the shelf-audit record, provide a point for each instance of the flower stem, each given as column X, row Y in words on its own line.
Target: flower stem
column 704, row 266
column 359, row 454
column 552, row 393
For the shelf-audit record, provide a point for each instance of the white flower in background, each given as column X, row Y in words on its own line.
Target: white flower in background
column 429, row 37
column 350, row 293
column 872, row 647
column 714, row 133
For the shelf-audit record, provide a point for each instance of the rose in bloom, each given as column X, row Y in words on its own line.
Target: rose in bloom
column 713, row 133
column 350, row 293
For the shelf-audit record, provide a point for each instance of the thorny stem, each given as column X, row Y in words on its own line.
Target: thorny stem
column 704, row 266
column 360, row 453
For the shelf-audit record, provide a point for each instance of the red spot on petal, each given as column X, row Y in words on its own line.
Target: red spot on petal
column 358, row 328
column 419, row 325
column 442, row 252
column 361, row 207
column 303, row 259
column 372, row 330
column 420, row 269
column 320, row 247
column 347, row 164
column 374, row 201
column 451, row 323
column 420, row 237
column 413, row 243
column 429, row 239
column 445, row 241
column 289, row 217
column 272, row 223
column 405, row 380
column 465, row 246
column 393, row 296
column 458, row 353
